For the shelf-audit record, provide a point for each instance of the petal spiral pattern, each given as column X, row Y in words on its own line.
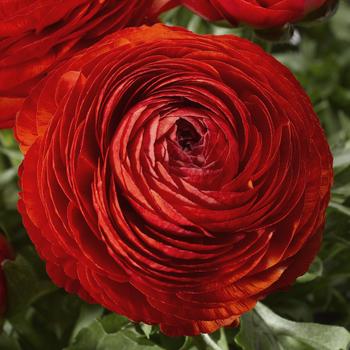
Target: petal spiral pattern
column 173, row 178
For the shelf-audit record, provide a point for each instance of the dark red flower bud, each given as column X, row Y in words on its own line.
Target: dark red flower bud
column 258, row 14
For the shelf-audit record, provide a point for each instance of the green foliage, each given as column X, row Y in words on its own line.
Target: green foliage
column 41, row 316
column 111, row 332
column 10, row 158
column 263, row 329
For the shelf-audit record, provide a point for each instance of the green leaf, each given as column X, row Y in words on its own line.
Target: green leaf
column 222, row 342
column 263, row 329
column 220, row 339
column 9, row 343
column 98, row 336
column 188, row 344
column 340, row 208
column 315, row 270
column 127, row 340
column 174, row 343
column 26, row 283
column 7, row 176
column 88, row 314
column 40, row 315
column 15, row 155
column 341, row 158
column 88, row 338
column 113, row 323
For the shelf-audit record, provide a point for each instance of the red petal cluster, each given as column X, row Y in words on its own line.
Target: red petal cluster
column 5, row 253
column 257, row 13
column 35, row 34
column 173, row 178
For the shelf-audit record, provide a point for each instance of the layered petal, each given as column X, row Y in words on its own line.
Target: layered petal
column 172, row 178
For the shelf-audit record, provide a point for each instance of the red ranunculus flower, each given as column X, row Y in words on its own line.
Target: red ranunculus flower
column 35, row 34
column 173, row 178
column 5, row 253
column 257, row 13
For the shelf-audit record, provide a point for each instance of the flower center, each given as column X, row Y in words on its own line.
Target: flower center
column 186, row 135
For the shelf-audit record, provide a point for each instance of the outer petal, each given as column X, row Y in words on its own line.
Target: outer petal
column 36, row 35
